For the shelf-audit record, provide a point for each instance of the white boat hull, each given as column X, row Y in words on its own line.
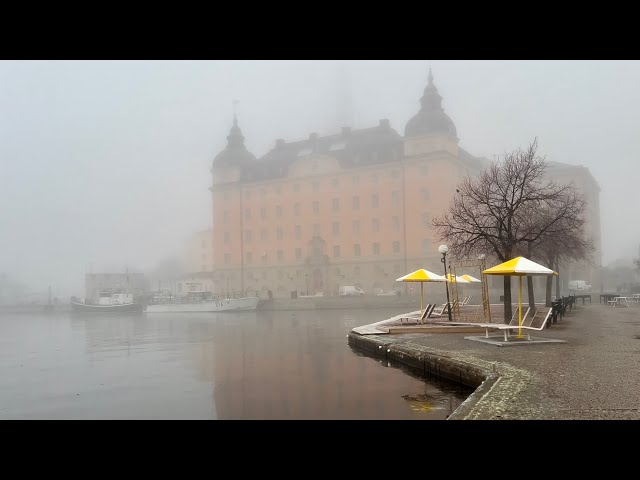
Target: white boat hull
column 226, row 305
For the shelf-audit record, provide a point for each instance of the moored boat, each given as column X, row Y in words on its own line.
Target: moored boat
column 108, row 303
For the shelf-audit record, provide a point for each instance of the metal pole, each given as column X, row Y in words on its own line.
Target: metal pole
column 520, row 309
column 446, row 283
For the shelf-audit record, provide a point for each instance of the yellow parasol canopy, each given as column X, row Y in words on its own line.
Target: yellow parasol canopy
column 519, row 267
column 458, row 279
column 421, row 276
column 470, row 279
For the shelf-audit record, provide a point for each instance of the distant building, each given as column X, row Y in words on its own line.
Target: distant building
column 586, row 184
column 353, row 208
column 134, row 283
column 199, row 252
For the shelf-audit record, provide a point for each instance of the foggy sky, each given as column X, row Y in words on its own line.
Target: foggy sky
column 108, row 161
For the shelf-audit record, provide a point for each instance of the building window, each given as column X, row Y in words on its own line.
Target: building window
column 425, row 219
column 263, row 234
column 356, row 250
column 247, row 194
column 227, row 258
column 396, row 223
column 375, row 203
column 396, row 247
column 280, row 275
column 280, row 256
column 264, row 257
column 279, row 233
column 247, row 213
column 375, row 225
column 376, row 248
column 423, row 170
column 204, row 257
column 336, row 228
column 279, row 189
column 335, row 182
column 336, row 204
column 355, row 179
column 247, row 235
column 263, row 213
column 296, row 187
column 316, row 206
column 316, row 229
column 249, row 257
column 298, row 232
column 226, row 216
column 336, row 251
column 356, row 271
column 395, row 173
column 263, row 193
column 279, row 211
column 315, row 185
column 356, row 226
column 425, row 194
column 226, row 237
column 374, row 178
column 203, row 243
column 356, row 203
column 298, row 254
column 296, row 208
column 264, row 274
column 314, row 167
column 395, row 198
column 397, row 268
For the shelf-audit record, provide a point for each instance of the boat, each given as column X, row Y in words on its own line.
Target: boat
column 197, row 301
column 108, row 302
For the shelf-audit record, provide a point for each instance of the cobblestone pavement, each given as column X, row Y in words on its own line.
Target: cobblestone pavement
column 595, row 375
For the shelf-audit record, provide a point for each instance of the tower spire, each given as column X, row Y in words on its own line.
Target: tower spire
column 235, row 112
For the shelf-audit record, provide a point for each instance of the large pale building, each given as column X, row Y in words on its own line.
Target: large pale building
column 353, row 208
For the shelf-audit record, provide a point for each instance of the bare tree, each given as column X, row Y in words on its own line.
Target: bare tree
column 506, row 211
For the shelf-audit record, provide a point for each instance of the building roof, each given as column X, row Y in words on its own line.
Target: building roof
column 431, row 117
column 235, row 153
column 352, row 148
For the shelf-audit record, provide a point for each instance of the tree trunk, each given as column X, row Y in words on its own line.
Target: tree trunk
column 532, row 300
column 557, row 281
column 549, row 286
column 507, row 298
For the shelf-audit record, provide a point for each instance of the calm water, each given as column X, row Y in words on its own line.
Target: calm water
column 251, row 365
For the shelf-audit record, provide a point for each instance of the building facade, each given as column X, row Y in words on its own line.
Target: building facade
column 198, row 252
column 353, row 208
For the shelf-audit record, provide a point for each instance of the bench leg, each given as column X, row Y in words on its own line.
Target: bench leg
column 486, row 333
column 505, row 336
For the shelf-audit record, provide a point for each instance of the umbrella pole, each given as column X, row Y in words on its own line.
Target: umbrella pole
column 421, row 297
column 520, row 308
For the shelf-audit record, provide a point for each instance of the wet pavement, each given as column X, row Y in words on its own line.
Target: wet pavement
column 595, row 375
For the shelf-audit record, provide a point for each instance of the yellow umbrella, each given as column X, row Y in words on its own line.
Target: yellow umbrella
column 457, row 279
column 519, row 267
column 470, row 279
column 421, row 276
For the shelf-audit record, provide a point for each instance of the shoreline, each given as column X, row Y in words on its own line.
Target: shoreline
column 573, row 380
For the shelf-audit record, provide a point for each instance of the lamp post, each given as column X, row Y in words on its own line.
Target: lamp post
column 306, row 277
column 227, row 285
column 443, row 249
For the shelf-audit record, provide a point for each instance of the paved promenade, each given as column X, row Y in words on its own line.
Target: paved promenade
column 595, row 375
